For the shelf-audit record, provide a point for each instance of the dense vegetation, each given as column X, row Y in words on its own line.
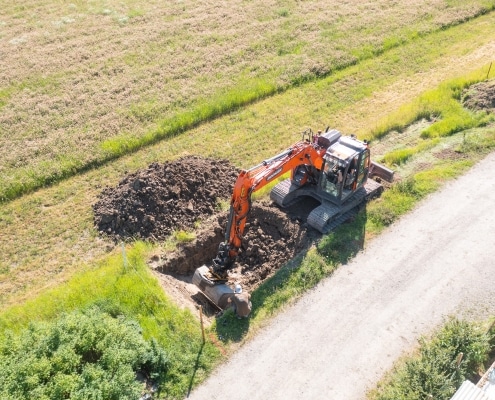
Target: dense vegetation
column 455, row 353
column 117, row 307
column 83, row 355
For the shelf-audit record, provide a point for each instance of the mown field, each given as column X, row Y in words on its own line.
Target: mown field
column 92, row 90
column 85, row 82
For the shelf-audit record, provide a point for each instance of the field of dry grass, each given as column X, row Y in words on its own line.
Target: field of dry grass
column 75, row 75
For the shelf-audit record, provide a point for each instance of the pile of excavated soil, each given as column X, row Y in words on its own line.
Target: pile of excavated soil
column 152, row 203
column 480, row 96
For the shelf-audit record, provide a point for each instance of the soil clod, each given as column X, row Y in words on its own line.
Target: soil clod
column 480, row 96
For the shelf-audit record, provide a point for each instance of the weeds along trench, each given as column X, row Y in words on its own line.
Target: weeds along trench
column 169, row 200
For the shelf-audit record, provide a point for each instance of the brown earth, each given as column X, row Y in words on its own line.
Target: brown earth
column 480, row 96
column 151, row 204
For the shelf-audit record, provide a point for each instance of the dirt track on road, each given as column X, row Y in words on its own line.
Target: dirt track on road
column 339, row 339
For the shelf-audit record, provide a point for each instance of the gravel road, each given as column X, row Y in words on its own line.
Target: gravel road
column 339, row 339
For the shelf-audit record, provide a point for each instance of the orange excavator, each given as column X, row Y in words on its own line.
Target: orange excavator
column 329, row 167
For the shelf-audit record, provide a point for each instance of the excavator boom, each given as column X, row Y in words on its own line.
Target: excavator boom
column 308, row 153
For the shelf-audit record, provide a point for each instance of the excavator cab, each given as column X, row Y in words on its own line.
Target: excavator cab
column 345, row 169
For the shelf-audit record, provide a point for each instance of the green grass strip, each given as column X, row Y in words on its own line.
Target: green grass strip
column 441, row 104
column 203, row 111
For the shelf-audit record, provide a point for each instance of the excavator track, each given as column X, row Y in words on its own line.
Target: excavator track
column 281, row 192
column 321, row 216
column 373, row 189
column 286, row 193
column 327, row 216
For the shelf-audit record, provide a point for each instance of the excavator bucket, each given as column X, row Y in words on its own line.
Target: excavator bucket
column 380, row 171
column 217, row 293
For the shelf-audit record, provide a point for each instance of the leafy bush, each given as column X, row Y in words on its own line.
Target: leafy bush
column 82, row 355
column 453, row 355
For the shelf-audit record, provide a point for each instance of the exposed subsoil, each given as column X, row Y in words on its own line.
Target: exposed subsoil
column 480, row 96
column 153, row 203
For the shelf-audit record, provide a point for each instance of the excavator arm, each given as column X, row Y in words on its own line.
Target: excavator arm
column 304, row 153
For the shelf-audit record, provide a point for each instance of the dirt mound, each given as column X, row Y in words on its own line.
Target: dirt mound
column 152, row 203
column 480, row 96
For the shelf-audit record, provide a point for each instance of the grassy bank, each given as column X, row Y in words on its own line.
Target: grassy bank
column 442, row 105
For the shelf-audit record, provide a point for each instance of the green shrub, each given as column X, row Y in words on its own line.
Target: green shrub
column 82, row 355
column 443, row 363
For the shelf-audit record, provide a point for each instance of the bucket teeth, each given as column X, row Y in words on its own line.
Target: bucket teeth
column 218, row 274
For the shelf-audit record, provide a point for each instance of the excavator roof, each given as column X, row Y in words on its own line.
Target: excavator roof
column 342, row 152
column 346, row 147
column 353, row 142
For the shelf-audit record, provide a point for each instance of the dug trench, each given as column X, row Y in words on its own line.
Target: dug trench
column 155, row 203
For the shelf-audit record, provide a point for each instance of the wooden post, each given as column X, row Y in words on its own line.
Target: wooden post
column 202, row 325
column 124, row 256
